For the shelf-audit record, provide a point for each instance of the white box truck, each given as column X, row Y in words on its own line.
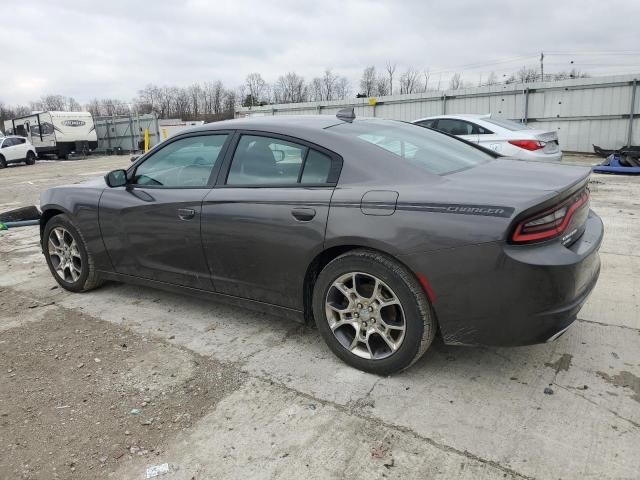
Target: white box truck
column 59, row 133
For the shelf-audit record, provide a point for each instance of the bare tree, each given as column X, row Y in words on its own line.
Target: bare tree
column 49, row 102
column 256, row 89
column 195, row 94
column 493, row 78
column 455, row 82
column 368, row 81
column 93, row 107
column 290, row 88
column 73, row 105
column 315, row 89
column 410, row 81
column 329, row 84
column 229, row 103
column 426, row 76
column 391, row 69
column 382, row 86
column 527, row 75
column 218, row 97
column 342, row 88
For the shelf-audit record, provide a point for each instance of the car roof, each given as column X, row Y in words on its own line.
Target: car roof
column 271, row 122
column 460, row 116
column 312, row 128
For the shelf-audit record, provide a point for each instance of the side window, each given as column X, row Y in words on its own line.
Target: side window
column 19, row 141
column 454, row 127
column 187, row 162
column 478, row 130
column 316, row 168
column 265, row 161
column 427, row 123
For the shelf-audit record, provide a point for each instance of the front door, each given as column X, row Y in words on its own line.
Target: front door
column 265, row 221
column 11, row 149
column 151, row 227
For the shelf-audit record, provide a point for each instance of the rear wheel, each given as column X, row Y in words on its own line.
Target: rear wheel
column 372, row 312
column 66, row 253
column 31, row 158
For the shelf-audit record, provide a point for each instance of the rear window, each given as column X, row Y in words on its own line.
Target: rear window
column 508, row 124
column 427, row 149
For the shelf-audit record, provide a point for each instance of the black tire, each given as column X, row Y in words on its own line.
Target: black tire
column 88, row 279
column 3, row 162
column 419, row 320
column 31, row 158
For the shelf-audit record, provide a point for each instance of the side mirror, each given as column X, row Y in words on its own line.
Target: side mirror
column 134, row 158
column 116, row 178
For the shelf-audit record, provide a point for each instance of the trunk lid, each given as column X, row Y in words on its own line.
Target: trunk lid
column 519, row 184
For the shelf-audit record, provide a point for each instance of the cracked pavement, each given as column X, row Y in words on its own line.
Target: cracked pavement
column 295, row 410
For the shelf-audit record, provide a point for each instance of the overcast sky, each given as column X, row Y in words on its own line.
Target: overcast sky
column 112, row 48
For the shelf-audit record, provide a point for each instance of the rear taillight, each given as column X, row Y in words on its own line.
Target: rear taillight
column 530, row 145
column 550, row 223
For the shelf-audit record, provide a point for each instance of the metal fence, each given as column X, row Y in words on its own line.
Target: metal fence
column 123, row 133
column 604, row 111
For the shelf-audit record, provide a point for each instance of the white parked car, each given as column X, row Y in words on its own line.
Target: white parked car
column 505, row 137
column 16, row 149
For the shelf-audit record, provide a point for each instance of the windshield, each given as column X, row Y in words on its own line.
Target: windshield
column 428, row 149
column 508, row 124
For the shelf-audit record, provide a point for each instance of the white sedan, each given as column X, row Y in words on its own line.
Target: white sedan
column 505, row 137
column 16, row 149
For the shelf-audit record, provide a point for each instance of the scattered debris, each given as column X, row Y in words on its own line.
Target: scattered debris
column 562, row 364
column 135, row 411
column 548, row 391
column 156, row 470
column 379, row 451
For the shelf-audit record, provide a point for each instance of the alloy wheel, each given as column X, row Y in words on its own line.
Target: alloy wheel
column 64, row 254
column 365, row 315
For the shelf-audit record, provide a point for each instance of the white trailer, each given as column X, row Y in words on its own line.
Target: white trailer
column 60, row 133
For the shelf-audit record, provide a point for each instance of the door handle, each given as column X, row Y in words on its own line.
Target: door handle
column 186, row 213
column 303, row 214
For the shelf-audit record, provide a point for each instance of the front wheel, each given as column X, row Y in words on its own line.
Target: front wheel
column 31, row 158
column 372, row 312
column 67, row 256
column 3, row 162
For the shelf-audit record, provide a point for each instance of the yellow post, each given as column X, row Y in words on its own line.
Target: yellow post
column 146, row 139
column 164, row 134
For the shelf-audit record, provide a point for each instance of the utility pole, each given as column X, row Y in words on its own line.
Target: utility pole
column 542, row 66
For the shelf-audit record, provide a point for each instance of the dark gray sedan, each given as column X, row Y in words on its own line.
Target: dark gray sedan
column 382, row 232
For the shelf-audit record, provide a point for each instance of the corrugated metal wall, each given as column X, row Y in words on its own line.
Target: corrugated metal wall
column 584, row 111
column 124, row 132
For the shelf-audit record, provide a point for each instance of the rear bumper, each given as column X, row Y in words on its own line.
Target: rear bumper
column 508, row 295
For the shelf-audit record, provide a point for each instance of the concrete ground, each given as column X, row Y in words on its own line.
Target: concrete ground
column 226, row 393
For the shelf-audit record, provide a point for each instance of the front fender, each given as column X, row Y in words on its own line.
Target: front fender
column 81, row 205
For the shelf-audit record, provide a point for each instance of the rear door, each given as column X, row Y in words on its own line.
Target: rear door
column 21, row 148
column 151, row 227
column 459, row 128
column 265, row 221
